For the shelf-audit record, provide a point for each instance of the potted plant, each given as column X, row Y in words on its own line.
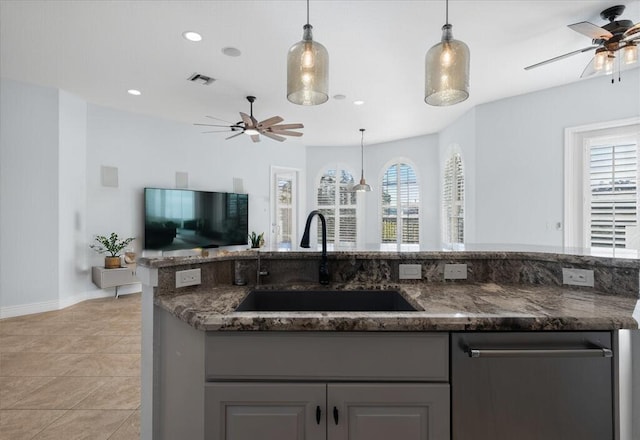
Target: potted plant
column 257, row 240
column 111, row 245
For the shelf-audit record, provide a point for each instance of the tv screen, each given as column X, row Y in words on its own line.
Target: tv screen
column 185, row 219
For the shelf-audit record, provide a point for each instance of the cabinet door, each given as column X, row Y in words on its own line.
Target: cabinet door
column 265, row 411
column 388, row 411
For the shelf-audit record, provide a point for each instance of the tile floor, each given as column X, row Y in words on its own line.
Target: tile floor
column 73, row 373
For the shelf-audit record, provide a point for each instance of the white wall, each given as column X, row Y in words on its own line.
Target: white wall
column 148, row 152
column 73, row 267
column 519, row 155
column 52, row 203
column 28, row 194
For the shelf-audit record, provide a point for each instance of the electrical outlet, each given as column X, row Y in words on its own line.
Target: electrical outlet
column 455, row 271
column 577, row 277
column 410, row 271
column 189, row 277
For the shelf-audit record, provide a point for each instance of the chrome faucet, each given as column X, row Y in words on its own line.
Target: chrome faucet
column 324, row 268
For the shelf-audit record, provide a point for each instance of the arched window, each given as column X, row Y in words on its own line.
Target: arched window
column 453, row 201
column 400, row 208
column 338, row 204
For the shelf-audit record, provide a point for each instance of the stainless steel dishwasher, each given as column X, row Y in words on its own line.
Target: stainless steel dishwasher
column 532, row 386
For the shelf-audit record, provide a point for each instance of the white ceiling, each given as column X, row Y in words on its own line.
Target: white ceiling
column 99, row 49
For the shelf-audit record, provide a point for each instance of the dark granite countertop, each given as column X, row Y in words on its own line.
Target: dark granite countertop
column 445, row 307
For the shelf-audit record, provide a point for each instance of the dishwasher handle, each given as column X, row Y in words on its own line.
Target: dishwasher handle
column 537, row 353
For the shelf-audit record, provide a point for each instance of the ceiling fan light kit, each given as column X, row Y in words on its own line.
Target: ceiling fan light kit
column 616, row 36
column 447, row 69
column 308, row 70
column 363, row 186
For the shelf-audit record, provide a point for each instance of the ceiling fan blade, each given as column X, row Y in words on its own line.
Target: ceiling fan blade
column 560, row 57
column 590, row 69
column 285, row 132
column 217, row 131
column 212, row 125
column 269, row 122
column 232, row 136
column 255, row 138
column 275, row 137
column 218, row 119
column 633, row 33
column 286, row 126
column 246, row 119
column 591, row 30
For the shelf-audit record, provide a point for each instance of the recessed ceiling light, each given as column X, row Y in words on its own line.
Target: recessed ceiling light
column 134, row 92
column 231, row 51
column 358, row 102
column 192, row 36
column 339, row 97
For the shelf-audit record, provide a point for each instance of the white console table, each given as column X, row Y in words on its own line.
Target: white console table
column 121, row 276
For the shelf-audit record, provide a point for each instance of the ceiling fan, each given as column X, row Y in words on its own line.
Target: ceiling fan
column 250, row 126
column 615, row 36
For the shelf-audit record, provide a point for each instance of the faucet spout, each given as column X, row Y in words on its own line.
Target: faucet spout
column 324, row 267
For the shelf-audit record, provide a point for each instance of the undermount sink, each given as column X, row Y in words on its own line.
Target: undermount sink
column 324, row 301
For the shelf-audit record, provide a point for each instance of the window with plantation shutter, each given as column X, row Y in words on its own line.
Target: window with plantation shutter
column 453, row 201
column 400, row 208
column 600, row 188
column 339, row 207
column 612, row 196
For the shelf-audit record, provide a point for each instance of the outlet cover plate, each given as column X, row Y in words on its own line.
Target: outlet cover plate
column 410, row 271
column 455, row 271
column 190, row 277
column 577, row 277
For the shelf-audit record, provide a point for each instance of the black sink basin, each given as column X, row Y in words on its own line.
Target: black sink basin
column 324, row 301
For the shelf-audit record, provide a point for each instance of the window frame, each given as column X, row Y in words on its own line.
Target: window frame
column 576, row 162
column 333, row 245
column 398, row 245
column 445, row 205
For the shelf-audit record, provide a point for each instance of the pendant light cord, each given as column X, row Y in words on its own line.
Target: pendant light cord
column 307, row 11
column 446, row 12
column 362, row 153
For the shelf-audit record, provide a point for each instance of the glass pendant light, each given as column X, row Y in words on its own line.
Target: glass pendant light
column 363, row 186
column 307, row 70
column 630, row 53
column 447, row 69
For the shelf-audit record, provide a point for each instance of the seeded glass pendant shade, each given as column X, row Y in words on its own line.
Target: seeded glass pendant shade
column 447, row 70
column 307, row 70
column 363, row 186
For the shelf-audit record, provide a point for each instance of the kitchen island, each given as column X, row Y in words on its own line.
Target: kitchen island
column 201, row 352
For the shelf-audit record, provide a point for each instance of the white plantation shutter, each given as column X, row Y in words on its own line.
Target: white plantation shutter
column 339, row 207
column 612, row 200
column 400, row 206
column 453, row 200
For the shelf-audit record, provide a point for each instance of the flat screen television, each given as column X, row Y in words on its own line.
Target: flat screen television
column 185, row 219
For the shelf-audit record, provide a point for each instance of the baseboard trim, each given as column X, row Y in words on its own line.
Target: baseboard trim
column 61, row 303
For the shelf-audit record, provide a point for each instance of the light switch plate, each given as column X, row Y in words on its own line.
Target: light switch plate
column 455, row 271
column 189, row 277
column 577, row 277
column 410, row 271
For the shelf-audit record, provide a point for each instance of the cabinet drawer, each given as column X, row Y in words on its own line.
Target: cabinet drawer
column 381, row 356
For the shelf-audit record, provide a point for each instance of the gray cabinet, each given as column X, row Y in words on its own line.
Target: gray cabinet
column 251, row 411
column 363, row 411
column 334, row 411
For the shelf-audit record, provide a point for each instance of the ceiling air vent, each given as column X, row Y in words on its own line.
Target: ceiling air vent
column 201, row 79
